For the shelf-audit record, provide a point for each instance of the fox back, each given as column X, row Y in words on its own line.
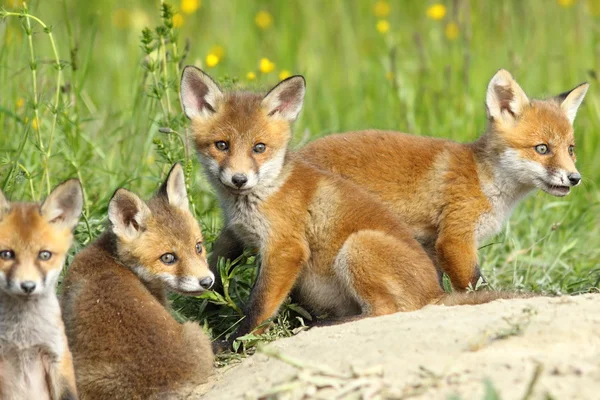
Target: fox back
column 34, row 241
column 124, row 340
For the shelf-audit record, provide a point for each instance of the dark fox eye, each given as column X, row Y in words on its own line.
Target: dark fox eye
column 221, row 145
column 259, row 148
column 168, row 258
column 571, row 150
column 7, row 254
column 541, row 149
column 199, row 247
column 44, row 255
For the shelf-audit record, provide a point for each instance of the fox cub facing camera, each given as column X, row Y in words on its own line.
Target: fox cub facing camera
column 35, row 362
column 343, row 251
column 125, row 343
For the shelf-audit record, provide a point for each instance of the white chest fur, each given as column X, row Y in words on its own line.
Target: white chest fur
column 503, row 197
column 29, row 329
column 245, row 218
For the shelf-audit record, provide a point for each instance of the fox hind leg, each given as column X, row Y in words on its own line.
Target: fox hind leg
column 385, row 274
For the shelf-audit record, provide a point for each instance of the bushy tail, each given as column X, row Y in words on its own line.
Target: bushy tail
column 479, row 297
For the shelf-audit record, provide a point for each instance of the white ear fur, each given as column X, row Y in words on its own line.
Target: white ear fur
column 127, row 213
column 174, row 188
column 285, row 100
column 505, row 99
column 4, row 204
column 64, row 204
column 572, row 100
column 199, row 93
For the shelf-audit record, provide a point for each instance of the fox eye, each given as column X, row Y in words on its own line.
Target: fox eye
column 259, row 148
column 7, row 255
column 571, row 150
column 221, row 145
column 199, row 247
column 168, row 258
column 44, row 255
column 541, row 149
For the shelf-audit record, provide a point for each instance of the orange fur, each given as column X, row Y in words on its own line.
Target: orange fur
column 342, row 251
column 125, row 343
column 34, row 241
column 453, row 195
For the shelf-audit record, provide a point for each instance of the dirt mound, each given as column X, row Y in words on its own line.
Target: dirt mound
column 525, row 348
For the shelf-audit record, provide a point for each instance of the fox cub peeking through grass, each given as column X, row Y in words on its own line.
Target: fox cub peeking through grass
column 125, row 343
column 35, row 362
column 452, row 195
column 343, row 251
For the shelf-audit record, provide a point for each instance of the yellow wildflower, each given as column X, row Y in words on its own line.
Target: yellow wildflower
column 566, row 3
column 594, row 7
column 251, row 76
column 389, row 75
column 265, row 65
column 34, row 124
column 150, row 159
column 178, row 20
column 121, row 18
column 20, row 102
column 436, row 11
column 284, row 74
column 212, row 60
column 189, row 6
column 382, row 9
column 263, row 19
column 452, row 30
column 12, row 3
column 382, row 26
column 218, row 51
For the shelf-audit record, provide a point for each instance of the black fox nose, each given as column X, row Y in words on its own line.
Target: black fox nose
column 28, row 286
column 574, row 178
column 239, row 180
column 206, row 283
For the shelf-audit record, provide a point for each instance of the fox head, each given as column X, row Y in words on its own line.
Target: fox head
column 534, row 138
column 35, row 239
column 161, row 240
column 241, row 137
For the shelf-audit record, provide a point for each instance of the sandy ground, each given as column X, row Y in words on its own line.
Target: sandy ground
column 545, row 346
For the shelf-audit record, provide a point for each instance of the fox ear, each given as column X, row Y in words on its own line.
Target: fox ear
column 64, row 205
column 199, row 93
column 505, row 99
column 4, row 204
column 285, row 100
column 571, row 100
column 174, row 188
column 127, row 214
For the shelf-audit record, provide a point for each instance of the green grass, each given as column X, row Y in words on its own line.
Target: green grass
column 116, row 92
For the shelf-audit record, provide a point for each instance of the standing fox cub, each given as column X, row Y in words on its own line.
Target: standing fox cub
column 35, row 362
column 125, row 343
column 342, row 251
column 454, row 195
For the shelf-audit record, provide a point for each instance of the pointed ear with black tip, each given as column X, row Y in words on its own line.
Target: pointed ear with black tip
column 174, row 188
column 4, row 204
column 64, row 204
column 505, row 100
column 199, row 93
column 285, row 100
column 127, row 214
column 571, row 100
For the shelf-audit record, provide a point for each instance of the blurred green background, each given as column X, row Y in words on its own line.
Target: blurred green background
column 414, row 66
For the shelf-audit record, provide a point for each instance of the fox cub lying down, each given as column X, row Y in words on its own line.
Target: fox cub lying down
column 342, row 250
column 35, row 362
column 125, row 343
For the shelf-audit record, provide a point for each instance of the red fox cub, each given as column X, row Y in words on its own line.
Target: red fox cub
column 454, row 195
column 342, row 250
column 35, row 361
column 125, row 343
